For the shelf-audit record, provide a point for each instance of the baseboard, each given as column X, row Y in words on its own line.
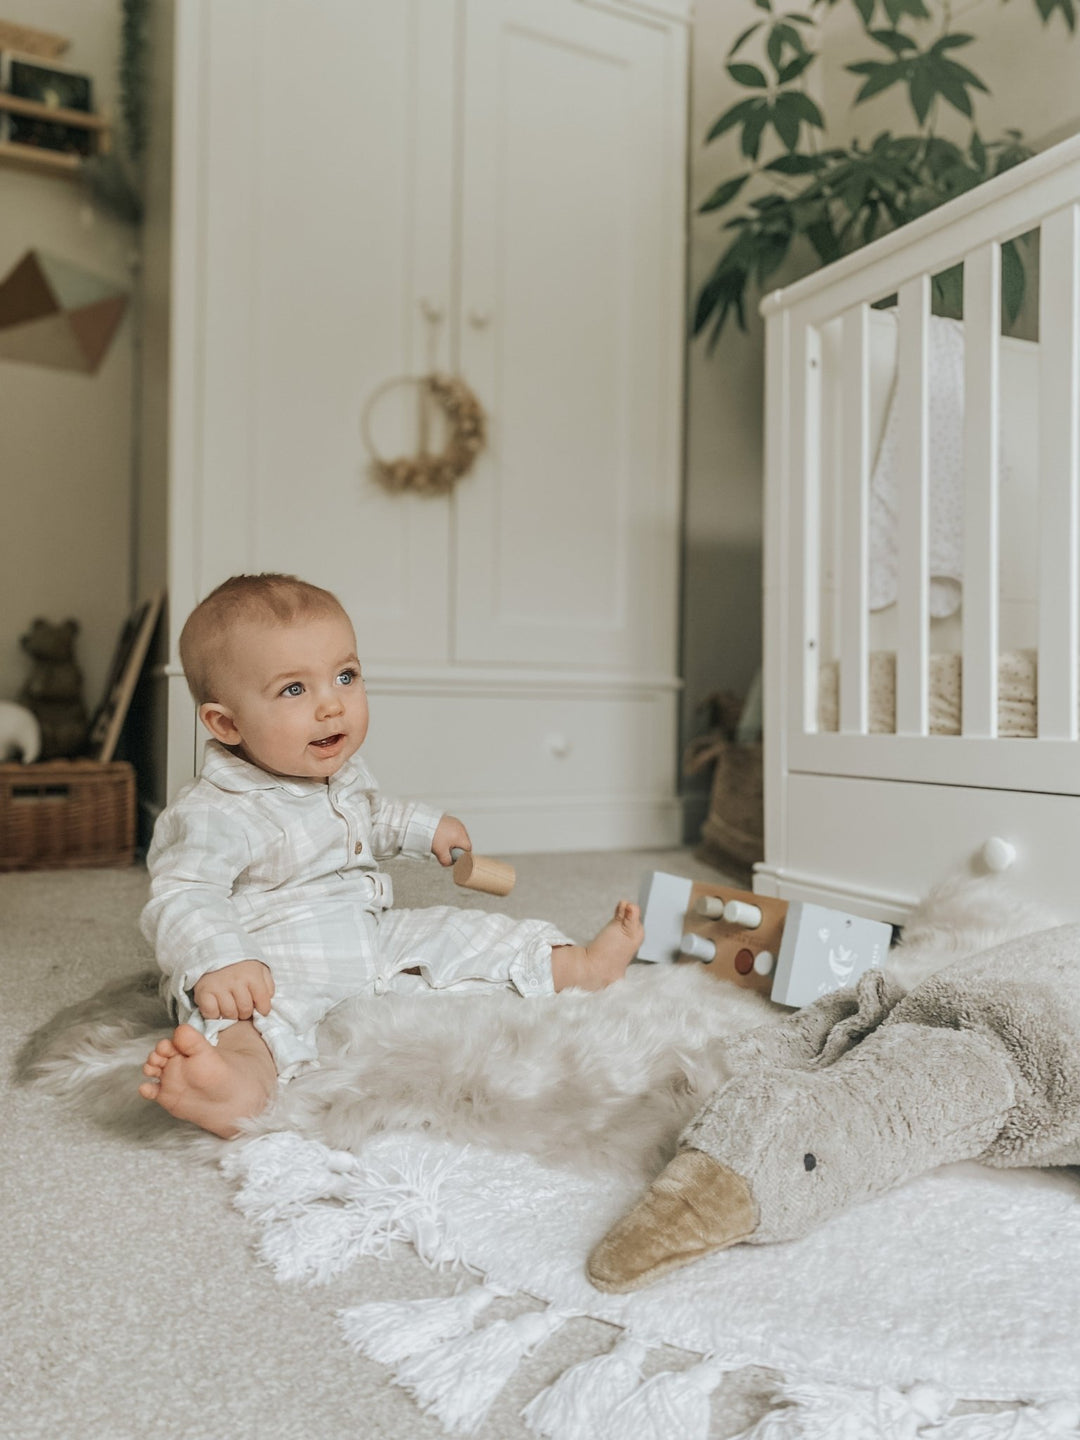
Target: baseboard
column 815, row 889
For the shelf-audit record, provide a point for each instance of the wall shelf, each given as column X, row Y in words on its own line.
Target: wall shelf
column 38, row 157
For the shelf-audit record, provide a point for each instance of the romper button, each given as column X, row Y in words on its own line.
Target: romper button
column 358, row 849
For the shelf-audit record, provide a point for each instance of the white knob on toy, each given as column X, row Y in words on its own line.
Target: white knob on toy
column 764, row 962
column 711, row 906
column 738, row 912
column 998, row 854
column 698, row 947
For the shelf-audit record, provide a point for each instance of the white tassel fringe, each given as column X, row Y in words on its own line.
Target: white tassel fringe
column 389, row 1330
column 282, row 1171
column 825, row 1412
column 458, row 1381
column 579, row 1404
column 675, row 1402
column 1050, row 1421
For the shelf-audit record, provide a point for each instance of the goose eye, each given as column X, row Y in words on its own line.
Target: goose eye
column 809, row 1161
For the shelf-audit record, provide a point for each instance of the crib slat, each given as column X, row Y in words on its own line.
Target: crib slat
column 1059, row 377
column 913, row 589
column 982, row 339
column 805, row 499
column 854, row 489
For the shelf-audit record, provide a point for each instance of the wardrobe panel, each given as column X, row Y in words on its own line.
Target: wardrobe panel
column 327, row 251
column 567, row 210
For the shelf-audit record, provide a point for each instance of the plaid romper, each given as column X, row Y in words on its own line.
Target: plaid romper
column 246, row 865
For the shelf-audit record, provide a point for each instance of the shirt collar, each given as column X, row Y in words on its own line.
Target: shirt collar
column 229, row 771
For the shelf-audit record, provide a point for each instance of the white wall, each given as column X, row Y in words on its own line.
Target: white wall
column 65, row 438
column 1034, row 75
column 1032, row 71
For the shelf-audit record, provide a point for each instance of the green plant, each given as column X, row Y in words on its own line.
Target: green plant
column 115, row 179
column 838, row 199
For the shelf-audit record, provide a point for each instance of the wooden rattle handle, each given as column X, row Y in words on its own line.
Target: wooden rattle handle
column 480, row 872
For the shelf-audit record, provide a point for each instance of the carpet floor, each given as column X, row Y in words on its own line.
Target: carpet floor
column 133, row 1304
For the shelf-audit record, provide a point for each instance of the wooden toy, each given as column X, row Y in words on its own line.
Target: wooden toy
column 788, row 950
column 480, row 872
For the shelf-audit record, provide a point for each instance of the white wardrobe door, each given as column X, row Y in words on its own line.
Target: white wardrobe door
column 327, row 236
column 571, row 316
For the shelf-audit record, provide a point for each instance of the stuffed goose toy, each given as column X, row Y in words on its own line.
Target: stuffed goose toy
column 864, row 1089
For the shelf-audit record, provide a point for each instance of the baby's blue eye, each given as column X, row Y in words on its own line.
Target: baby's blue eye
column 294, row 689
column 347, row 677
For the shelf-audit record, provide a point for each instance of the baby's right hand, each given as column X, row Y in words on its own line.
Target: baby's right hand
column 235, row 992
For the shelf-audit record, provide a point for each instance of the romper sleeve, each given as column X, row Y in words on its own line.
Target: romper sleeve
column 195, row 857
column 399, row 827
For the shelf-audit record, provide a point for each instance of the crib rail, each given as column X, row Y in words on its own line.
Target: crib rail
column 1042, row 194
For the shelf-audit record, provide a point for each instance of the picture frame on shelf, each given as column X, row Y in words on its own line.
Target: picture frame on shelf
column 42, row 89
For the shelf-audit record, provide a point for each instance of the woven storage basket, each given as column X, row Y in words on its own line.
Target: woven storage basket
column 734, row 827
column 65, row 813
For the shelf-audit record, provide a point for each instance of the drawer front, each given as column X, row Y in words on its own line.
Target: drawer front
column 881, row 844
column 534, row 771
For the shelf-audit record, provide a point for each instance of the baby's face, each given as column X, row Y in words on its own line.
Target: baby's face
column 295, row 702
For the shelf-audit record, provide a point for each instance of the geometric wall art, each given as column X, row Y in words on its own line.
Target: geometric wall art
column 57, row 314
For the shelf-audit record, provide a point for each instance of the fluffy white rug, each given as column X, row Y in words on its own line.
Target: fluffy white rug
column 465, row 1127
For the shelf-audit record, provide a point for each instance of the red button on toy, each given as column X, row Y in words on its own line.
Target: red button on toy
column 744, row 962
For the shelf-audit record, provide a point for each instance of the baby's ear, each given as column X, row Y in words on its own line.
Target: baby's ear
column 219, row 722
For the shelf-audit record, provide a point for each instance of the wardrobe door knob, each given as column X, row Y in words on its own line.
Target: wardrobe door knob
column 998, row 854
column 479, row 319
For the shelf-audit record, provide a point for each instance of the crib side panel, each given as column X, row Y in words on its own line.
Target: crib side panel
column 982, row 342
column 843, row 767
column 913, row 581
column 1059, row 402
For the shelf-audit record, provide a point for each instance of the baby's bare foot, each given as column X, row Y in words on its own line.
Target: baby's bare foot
column 605, row 958
column 212, row 1086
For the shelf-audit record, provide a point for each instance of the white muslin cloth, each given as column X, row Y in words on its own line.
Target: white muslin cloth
column 946, row 518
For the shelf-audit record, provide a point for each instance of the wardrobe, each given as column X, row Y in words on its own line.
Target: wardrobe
column 346, row 196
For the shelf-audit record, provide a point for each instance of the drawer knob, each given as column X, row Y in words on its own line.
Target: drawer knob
column 998, row 854
column 560, row 746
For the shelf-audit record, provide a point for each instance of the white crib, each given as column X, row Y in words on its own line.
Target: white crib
column 869, row 821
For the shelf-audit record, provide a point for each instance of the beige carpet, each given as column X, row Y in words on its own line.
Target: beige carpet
column 132, row 1303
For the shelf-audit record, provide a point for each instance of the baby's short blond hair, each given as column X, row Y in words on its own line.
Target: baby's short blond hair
column 267, row 599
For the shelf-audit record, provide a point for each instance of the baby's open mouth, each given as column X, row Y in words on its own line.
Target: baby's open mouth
column 328, row 742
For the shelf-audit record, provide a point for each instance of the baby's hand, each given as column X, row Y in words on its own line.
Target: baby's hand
column 235, row 992
column 450, row 835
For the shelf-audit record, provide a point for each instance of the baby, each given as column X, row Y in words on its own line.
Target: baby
column 267, row 905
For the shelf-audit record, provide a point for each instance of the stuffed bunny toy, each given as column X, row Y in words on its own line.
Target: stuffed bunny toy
column 862, row 1090
column 20, row 733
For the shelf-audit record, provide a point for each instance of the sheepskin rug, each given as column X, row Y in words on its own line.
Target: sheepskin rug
column 593, row 1081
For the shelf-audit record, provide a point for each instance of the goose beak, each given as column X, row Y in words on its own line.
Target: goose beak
column 692, row 1208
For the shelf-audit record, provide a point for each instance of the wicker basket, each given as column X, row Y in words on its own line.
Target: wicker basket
column 734, row 827
column 65, row 813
